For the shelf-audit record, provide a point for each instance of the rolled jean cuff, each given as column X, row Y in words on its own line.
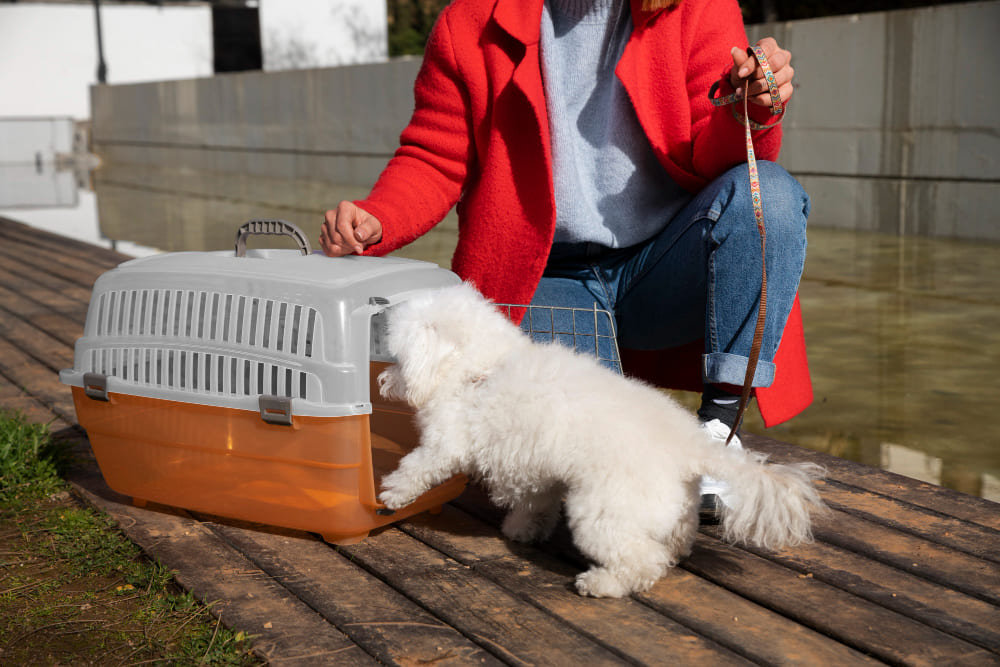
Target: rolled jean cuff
column 725, row 368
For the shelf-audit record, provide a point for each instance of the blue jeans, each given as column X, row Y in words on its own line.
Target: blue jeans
column 699, row 277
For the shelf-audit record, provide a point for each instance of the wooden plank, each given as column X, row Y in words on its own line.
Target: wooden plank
column 32, row 410
column 286, row 630
column 75, row 437
column 762, row 635
column 13, row 399
column 48, row 325
column 644, row 628
column 43, row 297
column 26, row 235
column 386, row 624
column 12, row 261
column 865, row 626
column 40, row 346
column 513, row 630
column 933, row 604
column 928, row 560
column 37, row 381
column 75, row 271
column 711, row 611
column 973, row 539
column 944, row 501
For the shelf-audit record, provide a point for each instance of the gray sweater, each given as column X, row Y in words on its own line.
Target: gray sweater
column 609, row 186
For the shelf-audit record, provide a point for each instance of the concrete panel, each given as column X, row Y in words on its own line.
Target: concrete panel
column 901, row 94
column 950, row 209
column 355, row 109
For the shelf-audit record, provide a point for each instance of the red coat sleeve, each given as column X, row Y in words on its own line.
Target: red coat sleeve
column 424, row 179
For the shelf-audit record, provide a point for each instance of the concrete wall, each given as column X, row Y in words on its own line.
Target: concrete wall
column 337, row 124
column 894, row 126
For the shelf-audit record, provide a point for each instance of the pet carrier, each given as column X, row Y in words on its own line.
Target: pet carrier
column 243, row 385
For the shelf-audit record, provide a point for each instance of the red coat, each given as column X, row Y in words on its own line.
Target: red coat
column 479, row 137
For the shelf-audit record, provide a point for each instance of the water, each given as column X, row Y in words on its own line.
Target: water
column 903, row 333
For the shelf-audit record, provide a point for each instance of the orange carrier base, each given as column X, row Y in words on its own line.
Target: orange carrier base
column 320, row 474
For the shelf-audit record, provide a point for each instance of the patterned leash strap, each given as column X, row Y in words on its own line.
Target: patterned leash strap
column 758, row 208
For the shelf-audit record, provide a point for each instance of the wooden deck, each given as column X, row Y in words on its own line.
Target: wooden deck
column 901, row 572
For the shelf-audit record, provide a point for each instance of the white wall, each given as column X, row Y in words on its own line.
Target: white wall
column 322, row 33
column 48, row 52
column 22, row 140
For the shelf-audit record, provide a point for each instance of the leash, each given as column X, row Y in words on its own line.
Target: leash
column 758, row 208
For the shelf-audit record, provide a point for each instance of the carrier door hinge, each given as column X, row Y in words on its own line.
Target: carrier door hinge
column 95, row 386
column 276, row 409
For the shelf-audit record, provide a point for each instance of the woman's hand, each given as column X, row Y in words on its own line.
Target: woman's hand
column 348, row 229
column 747, row 69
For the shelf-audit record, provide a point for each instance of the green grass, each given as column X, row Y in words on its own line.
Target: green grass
column 74, row 589
column 30, row 463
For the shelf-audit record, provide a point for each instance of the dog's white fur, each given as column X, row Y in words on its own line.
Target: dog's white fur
column 541, row 425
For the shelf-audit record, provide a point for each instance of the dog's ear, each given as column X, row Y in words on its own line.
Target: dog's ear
column 422, row 357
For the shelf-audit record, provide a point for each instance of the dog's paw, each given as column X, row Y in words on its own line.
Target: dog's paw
column 390, row 384
column 598, row 582
column 396, row 492
column 395, row 498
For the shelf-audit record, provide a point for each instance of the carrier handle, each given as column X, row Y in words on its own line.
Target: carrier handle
column 270, row 228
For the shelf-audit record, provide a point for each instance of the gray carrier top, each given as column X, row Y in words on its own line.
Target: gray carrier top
column 225, row 328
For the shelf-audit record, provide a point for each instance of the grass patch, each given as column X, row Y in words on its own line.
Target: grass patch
column 74, row 589
column 30, row 463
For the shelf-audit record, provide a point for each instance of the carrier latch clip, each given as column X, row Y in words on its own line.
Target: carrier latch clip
column 276, row 409
column 95, row 386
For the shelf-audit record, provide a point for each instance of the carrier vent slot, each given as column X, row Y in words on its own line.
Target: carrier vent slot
column 267, row 324
column 228, row 317
column 214, row 319
column 155, row 314
column 110, row 312
column 310, row 331
column 239, row 319
column 143, row 320
column 101, row 304
column 121, row 313
column 132, row 312
column 254, row 312
column 202, row 297
column 268, row 307
column 202, row 373
column 175, row 316
column 282, row 311
column 296, row 319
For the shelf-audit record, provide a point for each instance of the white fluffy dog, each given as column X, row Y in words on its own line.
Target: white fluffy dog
column 541, row 425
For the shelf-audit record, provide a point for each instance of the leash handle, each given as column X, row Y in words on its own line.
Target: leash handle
column 777, row 108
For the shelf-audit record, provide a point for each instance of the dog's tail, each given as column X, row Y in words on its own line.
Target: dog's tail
column 771, row 505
